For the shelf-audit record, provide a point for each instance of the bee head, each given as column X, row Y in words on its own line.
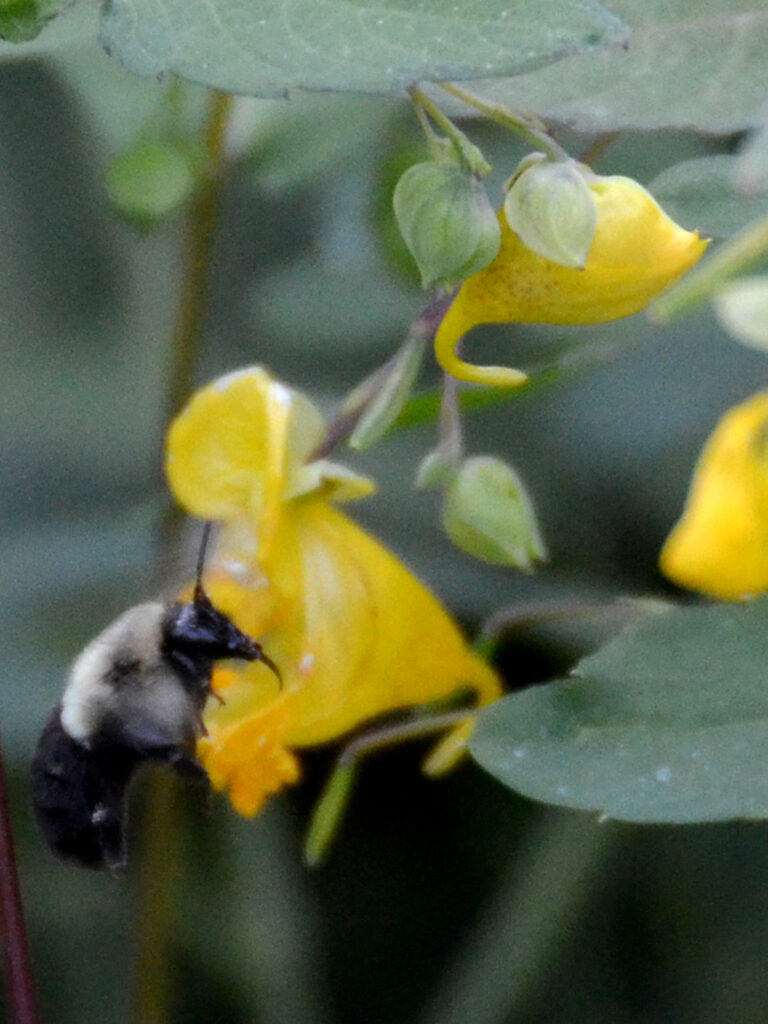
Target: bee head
column 196, row 634
column 202, row 633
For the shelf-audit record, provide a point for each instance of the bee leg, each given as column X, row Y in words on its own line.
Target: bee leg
column 109, row 830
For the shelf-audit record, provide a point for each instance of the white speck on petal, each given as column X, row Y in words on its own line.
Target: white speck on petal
column 281, row 393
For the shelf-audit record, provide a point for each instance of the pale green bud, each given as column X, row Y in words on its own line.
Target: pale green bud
column 742, row 308
column 550, row 206
column 152, row 180
column 392, row 392
column 488, row 514
column 446, row 221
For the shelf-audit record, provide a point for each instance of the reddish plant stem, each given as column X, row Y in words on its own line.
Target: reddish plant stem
column 18, row 969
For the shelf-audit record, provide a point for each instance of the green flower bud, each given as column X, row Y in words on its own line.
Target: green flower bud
column 551, row 208
column 391, row 394
column 152, row 180
column 742, row 309
column 446, row 221
column 488, row 514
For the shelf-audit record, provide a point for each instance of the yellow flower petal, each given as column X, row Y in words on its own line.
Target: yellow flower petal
column 637, row 251
column 375, row 639
column 329, row 481
column 237, row 437
column 362, row 637
column 720, row 545
column 249, row 759
column 354, row 634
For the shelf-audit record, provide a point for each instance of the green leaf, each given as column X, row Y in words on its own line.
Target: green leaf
column 698, row 64
column 752, row 162
column 24, row 20
column 267, row 47
column 667, row 723
column 701, row 193
column 77, row 23
column 312, row 135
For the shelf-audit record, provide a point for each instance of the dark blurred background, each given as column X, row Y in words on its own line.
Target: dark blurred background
column 443, row 902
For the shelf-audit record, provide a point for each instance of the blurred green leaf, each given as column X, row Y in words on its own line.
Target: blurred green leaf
column 308, row 136
column 701, row 193
column 667, row 723
column 78, row 22
column 560, row 357
column 698, row 64
column 266, row 47
column 24, row 20
column 752, row 162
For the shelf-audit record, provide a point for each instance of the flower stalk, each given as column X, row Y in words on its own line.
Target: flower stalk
column 469, row 153
column 198, row 251
column 333, row 801
column 526, row 126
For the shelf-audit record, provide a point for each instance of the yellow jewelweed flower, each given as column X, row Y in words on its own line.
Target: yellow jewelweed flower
column 354, row 634
column 637, row 251
column 720, row 545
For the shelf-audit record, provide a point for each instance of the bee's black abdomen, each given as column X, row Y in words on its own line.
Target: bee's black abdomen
column 78, row 796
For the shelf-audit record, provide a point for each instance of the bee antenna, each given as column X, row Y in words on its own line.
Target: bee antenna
column 199, row 589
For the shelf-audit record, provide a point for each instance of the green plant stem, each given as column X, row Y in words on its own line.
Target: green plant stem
column 532, row 613
column 198, row 251
column 159, row 866
column 433, row 139
column 451, row 436
column 159, row 860
column 20, row 985
column 526, row 126
column 526, row 924
column 332, row 803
